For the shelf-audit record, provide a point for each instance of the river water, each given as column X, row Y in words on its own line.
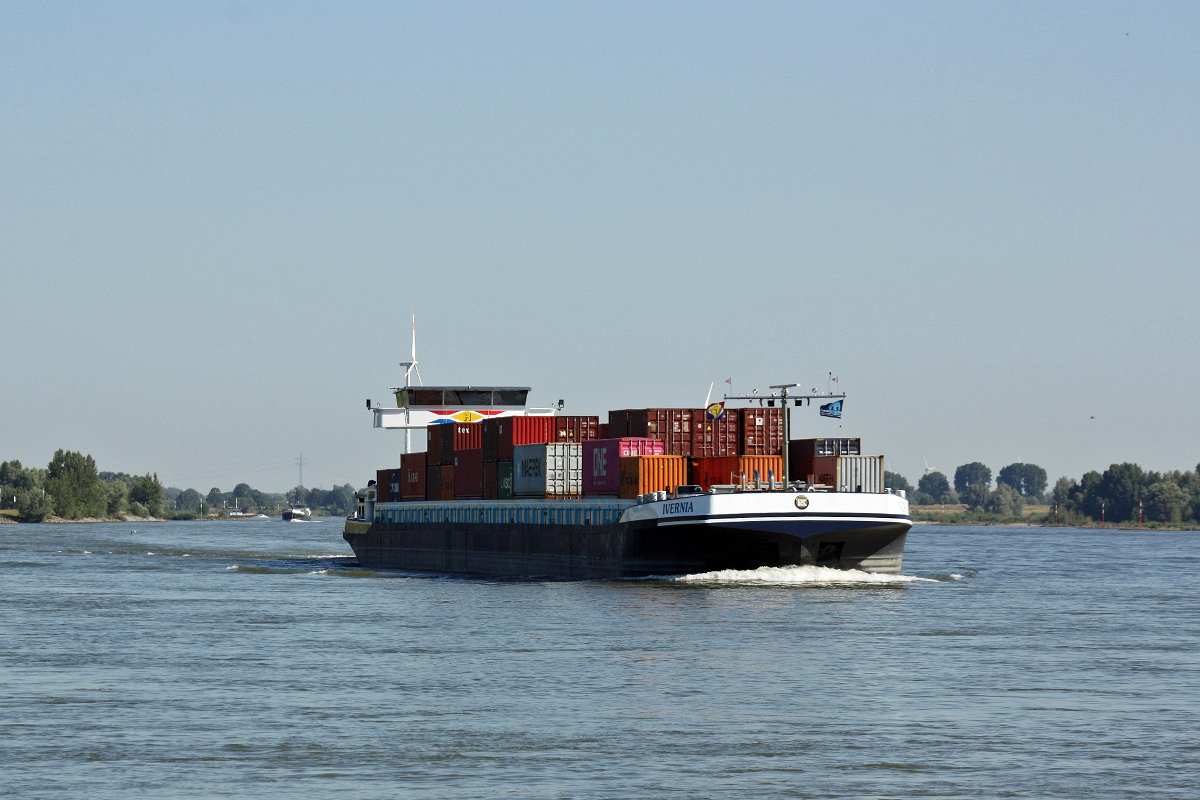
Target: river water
column 253, row 659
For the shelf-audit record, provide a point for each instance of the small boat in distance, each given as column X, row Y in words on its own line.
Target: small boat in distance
column 297, row 514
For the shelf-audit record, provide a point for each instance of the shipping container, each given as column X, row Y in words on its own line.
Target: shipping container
column 412, row 476
column 859, row 474
column 801, row 453
column 618, row 424
column 716, row 437
column 576, row 428
column 439, row 443
column 491, row 487
column 548, row 470
column 674, row 427
column 601, row 462
column 395, row 477
column 761, row 431
column 468, row 474
column 433, row 482
column 504, row 479
column 602, row 431
column 447, row 478
column 643, row 474
column 381, row 485
column 468, row 436
column 727, row 470
column 500, row 435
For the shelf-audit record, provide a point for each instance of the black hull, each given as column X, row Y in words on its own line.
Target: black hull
column 621, row 550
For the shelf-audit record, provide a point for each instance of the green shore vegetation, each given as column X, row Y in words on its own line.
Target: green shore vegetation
column 71, row 488
column 1123, row 495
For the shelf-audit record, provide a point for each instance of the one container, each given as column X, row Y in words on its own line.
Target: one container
column 761, row 431
column 618, row 424
column 439, row 443
column 859, row 474
column 500, row 435
column 643, row 474
column 447, row 482
column 576, row 428
column 468, row 436
column 601, row 462
column 725, row 470
column 395, row 479
column 491, row 484
column 602, row 431
column 504, row 480
column 468, row 474
column 801, row 453
column 381, row 485
column 412, row 476
column 548, row 470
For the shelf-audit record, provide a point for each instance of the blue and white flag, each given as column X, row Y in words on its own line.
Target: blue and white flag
column 833, row 409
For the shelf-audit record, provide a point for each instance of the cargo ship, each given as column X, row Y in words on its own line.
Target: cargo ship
column 503, row 490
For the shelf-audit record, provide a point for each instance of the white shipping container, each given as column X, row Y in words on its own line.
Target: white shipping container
column 554, row 469
column 860, row 474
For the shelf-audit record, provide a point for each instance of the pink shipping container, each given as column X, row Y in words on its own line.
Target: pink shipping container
column 500, row 435
column 601, row 461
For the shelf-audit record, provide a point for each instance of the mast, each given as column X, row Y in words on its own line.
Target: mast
column 783, row 396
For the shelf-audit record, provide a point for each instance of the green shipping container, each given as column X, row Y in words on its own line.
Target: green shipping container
column 504, row 480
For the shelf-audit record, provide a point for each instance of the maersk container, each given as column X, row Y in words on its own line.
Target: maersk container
column 643, row 474
column 761, row 431
column 468, row 474
column 728, row 470
column 554, row 469
column 500, row 435
column 412, row 476
column 859, row 474
column 576, row 428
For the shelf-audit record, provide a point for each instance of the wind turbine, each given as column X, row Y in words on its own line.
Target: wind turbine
column 928, row 469
column 410, row 367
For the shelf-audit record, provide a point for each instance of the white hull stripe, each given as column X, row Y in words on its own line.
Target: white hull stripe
column 792, row 518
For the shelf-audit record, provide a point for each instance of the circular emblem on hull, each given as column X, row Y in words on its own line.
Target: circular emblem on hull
column 801, row 501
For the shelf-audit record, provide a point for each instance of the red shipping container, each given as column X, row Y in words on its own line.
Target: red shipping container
column 412, row 476
column 729, row 469
column 602, row 466
column 468, row 436
column 381, row 485
column 468, row 474
column 602, row 431
column 502, row 433
column 576, row 429
column 673, row 426
column 618, row 424
column 447, row 480
column 716, row 437
column 762, row 431
column 439, row 447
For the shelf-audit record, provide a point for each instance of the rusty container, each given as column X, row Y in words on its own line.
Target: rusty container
column 412, row 476
column 468, row 474
column 761, row 431
column 643, row 474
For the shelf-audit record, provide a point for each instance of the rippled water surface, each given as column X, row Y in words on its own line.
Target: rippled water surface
column 254, row 659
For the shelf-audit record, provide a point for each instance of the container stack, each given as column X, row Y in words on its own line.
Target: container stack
column 549, row 470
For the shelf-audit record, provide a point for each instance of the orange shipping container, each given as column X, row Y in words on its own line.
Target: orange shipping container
column 643, row 474
column 728, row 470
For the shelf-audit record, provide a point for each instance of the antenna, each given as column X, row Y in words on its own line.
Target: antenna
column 300, row 462
column 708, row 396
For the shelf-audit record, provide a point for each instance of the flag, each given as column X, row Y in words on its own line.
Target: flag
column 729, row 381
column 716, row 411
column 833, row 409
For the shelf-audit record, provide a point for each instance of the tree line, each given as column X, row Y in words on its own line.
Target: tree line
column 1122, row 493
column 71, row 487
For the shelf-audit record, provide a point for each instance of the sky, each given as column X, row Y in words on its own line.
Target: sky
column 216, row 220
